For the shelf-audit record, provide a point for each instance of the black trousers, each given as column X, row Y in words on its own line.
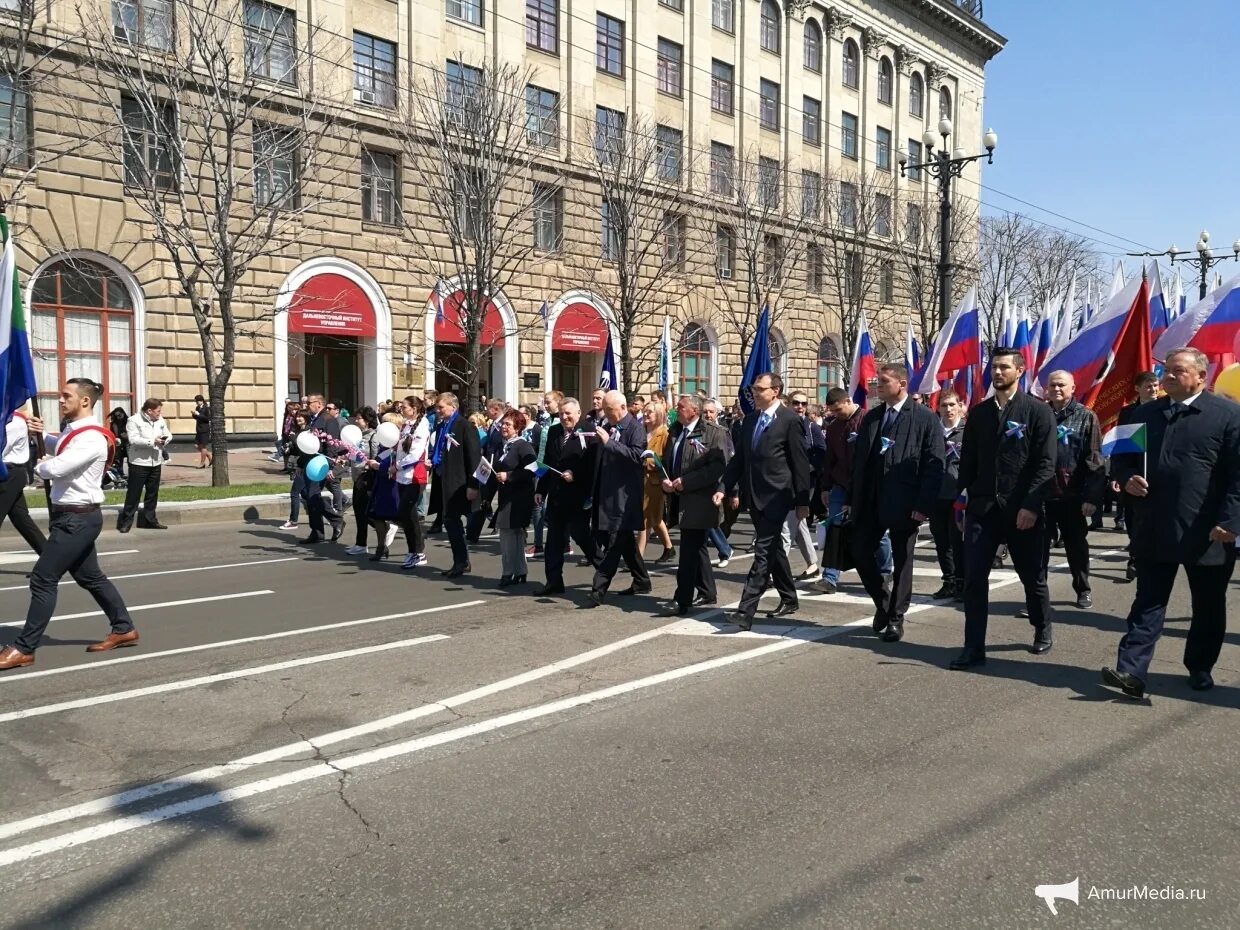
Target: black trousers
column 316, row 510
column 694, row 573
column 361, row 506
column 770, row 565
column 948, row 540
column 70, row 549
column 982, row 538
column 144, row 485
column 867, row 538
column 559, row 528
column 13, row 506
column 621, row 545
column 454, row 525
column 410, row 520
column 1066, row 516
column 1207, row 585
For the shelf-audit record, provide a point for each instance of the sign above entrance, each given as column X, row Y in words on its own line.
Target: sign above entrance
column 448, row 329
column 579, row 328
column 331, row 304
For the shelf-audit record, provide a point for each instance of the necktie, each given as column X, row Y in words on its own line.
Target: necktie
column 760, row 428
column 888, row 419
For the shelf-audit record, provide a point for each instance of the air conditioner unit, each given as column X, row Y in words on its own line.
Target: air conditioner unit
column 366, row 96
column 725, row 272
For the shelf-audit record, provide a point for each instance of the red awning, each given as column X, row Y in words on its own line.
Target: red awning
column 580, row 328
column 331, row 304
column 448, row 329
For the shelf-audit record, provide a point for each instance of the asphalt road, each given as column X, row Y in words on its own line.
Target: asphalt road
column 304, row 739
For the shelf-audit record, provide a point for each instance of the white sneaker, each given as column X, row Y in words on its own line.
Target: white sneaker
column 391, row 536
column 290, row 525
column 410, row 561
column 419, row 560
column 723, row 563
column 355, row 550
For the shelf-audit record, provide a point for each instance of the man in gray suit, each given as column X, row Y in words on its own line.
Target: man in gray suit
column 617, row 502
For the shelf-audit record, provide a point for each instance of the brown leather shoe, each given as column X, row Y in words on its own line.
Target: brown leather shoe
column 115, row 641
column 11, row 657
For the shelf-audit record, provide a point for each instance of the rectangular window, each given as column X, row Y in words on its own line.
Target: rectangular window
column 811, row 122
column 468, row 193
column 768, row 183
column 852, row 276
column 608, row 135
column 374, row 71
column 912, row 223
column 722, row 92
column 675, row 228
column 270, row 42
column 722, row 172
column 882, row 214
column 914, row 158
column 462, row 84
column 722, row 15
column 150, row 152
column 542, row 25
column 811, row 195
column 671, row 68
column 887, row 284
column 848, row 205
column 813, row 269
column 380, row 187
column 677, row 5
column 276, row 168
column 612, row 217
column 768, row 105
column 548, row 217
column 772, row 258
column 669, row 145
column 882, row 149
column 542, row 116
column 14, row 123
column 138, row 22
column 609, row 45
column 725, row 251
column 467, row 11
column 848, row 135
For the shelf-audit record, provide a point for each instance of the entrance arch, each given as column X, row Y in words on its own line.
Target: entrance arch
column 335, row 307
column 499, row 335
column 578, row 325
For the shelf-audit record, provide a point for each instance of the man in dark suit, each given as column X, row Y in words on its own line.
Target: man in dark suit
column 617, row 493
column 1185, row 511
column 455, row 455
column 948, row 539
column 1007, row 463
column 698, row 458
column 898, row 473
column 1146, row 386
column 564, row 492
column 326, row 426
column 770, row 470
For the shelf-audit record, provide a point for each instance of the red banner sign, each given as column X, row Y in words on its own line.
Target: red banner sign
column 333, row 305
column 579, row 328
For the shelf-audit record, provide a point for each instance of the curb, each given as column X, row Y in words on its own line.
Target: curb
column 182, row 513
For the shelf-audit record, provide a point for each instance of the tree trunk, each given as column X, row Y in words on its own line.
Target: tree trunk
column 219, row 437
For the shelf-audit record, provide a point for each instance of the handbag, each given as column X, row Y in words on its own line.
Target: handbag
column 838, row 552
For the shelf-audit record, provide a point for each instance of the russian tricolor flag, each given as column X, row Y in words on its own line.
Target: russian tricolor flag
column 864, row 366
column 956, row 346
column 1160, row 318
column 1022, row 342
column 1210, row 326
column 1086, row 356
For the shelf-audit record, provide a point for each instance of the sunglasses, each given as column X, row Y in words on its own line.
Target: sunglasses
column 800, row 403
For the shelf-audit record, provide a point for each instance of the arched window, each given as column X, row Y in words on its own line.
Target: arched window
column 81, row 326
column 830, row 368
column 695, row 360
column 770, row 26
column 852, row 64
column 916, row 95
column 813, row 46
column 945, row 103
column 779, row 354
column 886, row 78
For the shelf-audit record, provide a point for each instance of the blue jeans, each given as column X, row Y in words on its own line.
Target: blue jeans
column 835, row 511
column 715, row 537
column 538, row 526
column 295, row 492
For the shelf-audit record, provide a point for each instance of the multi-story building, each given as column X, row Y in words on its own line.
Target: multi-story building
column 812, row 98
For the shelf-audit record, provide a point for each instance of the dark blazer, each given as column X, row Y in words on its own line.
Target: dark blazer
column 952, row 442
column 515, row 497
column 619, row 478
column 775, row 477
column 565, row 453
column 455, row 475
column 703, row 455
column 1011, row 473
column 325, row 425
column 908, row 476
column 1194, row 476
column 202, row 424
column 1079, row 471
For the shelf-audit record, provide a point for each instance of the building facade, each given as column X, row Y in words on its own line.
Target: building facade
column 814, row 98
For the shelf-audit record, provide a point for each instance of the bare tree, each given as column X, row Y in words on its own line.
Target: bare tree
column 221, row 155
column 919, row 236
column 651, row 241
column 478, row 162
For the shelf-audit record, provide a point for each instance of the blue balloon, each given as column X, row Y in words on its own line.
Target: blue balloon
column 317, row 468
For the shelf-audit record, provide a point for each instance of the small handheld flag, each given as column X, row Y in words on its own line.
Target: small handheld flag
column 650, row 454
column 1129, row 439
column 484, row 471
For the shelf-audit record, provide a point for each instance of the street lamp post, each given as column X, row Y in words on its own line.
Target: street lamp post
column 945, row 166
column 1205, row 259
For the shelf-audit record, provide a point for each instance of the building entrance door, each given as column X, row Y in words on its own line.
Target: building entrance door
column 331, row 369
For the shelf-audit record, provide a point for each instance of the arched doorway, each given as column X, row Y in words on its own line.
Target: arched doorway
column 578, row 325
column 83, row 324
column 446, row 361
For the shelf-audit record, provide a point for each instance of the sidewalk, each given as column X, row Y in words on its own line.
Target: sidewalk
column 245, row 466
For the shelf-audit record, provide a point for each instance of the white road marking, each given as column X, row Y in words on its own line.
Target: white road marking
column 171, row 571
column 314, row 743
column 144, row 656
column 185, row 684
column 19, row 558
column 160, row 606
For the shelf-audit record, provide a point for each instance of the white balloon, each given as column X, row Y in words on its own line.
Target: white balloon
column 387, row 435
column 308, row 443
column 351, row 434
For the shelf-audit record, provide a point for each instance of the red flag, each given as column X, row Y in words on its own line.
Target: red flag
column 1130, row 355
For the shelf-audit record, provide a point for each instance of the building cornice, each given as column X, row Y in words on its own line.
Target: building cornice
column 975, row 33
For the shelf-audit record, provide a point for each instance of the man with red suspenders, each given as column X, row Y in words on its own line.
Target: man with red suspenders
column 83, row 451
column 13, row 487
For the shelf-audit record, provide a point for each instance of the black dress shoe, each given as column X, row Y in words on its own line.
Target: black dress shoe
column 594, row 599
column 1022, row 614
column 785, row 608
column 1131, row 685
column 1200, row 681
column 1041, row 646
column 456, row 571
column 506, row 580
column 151, row 525
column 669, row 555
column 337, row 530
column 744, row 621
column 1085, row 601
column 673, row 610
column 894, row 632
column 944, row 593
column 1130, row 571
column 970, row 658
column 700, row 601
column 122, row 527
column 379, row 556
column 632, row 590
column 880, row 622
column 312, row 540
column 544, row 590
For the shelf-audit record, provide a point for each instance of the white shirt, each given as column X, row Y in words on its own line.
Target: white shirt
column 16, row 442
column 142, row 434
column 417, row 451
column 772, row 410
column 897, row 406
column 76, row 473
column 1187, row 402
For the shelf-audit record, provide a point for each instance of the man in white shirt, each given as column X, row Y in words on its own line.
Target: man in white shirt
column 13, row 486
column 83, row 451
column 148, row 436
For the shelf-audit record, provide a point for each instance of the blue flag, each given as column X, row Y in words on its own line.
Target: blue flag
column 759, row 361
column 607, row 379
column 17, row 383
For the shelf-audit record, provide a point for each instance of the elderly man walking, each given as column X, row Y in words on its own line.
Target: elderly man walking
column 617, row 499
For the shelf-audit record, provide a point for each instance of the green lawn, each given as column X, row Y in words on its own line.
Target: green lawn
column 187, row 493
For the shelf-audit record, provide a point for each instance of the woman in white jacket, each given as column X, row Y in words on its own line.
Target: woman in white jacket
column 411, row 476
column 148, row 436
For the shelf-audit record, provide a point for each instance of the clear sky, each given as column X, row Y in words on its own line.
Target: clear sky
column 1122, row 115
